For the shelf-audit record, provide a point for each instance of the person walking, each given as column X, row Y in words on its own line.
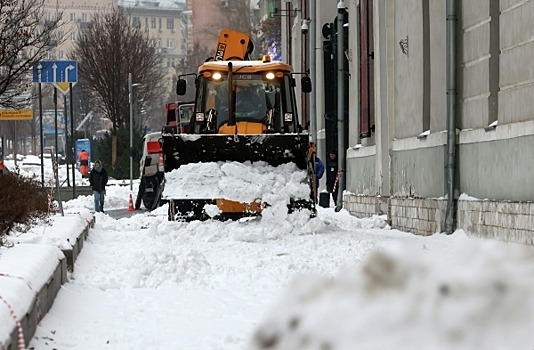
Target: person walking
column 319, row 171
column 98, row 179
column 332, row 180
column 83, row 158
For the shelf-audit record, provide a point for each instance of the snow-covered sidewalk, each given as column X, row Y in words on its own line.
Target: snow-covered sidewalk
column 33, row 270
column 278, row 282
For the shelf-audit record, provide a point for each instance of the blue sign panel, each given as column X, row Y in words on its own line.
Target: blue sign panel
column 82, row 144
column 49, row 123
column 55, row 72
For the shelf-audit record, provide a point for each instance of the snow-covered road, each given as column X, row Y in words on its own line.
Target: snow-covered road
column 146, row 283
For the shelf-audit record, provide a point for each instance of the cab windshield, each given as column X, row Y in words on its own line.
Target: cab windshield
column 255, row 98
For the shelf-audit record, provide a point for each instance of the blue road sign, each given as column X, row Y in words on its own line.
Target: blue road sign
column 55, row 72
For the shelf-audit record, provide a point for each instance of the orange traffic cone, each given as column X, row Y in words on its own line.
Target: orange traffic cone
column 130, row 204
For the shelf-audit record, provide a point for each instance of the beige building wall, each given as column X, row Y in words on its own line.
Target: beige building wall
column 74, row 12
column 167, row 28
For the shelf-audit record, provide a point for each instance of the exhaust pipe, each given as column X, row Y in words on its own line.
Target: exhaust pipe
column 231, row 96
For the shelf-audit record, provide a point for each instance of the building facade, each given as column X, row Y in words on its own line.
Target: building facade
column 421, row 126
column 75, row 12
column 167, row 29
column 165, row 26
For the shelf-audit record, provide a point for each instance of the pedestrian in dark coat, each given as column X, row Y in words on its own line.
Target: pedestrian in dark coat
column 332, row 179
column 319, row 171
column 98, row 179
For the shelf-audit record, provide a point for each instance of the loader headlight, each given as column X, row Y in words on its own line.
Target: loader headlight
column 288, row 117
column 199, row 117
column 216, row 76
column 269, row 76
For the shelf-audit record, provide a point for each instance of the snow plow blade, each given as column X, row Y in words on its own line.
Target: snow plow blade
column 275, row 149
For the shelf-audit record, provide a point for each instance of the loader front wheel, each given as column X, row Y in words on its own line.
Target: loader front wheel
column 150, row 195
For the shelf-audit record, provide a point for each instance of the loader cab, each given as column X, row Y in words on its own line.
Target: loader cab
column 264, row 99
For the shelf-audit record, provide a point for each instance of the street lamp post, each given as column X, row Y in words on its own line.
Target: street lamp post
column 131, row 85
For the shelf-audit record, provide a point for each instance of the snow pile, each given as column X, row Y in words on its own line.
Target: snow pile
column 117, row 196
column 484, row 300
column 30, row 166
column 243, row 182
column 169, row 253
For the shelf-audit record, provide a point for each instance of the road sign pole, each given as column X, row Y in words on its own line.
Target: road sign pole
column 41, row 133
column 55, row 118
column 3, row 145
column 130, row 79
column 63, row 75
column 65, row 139
column 72, row 143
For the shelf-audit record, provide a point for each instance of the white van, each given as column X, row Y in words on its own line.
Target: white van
column 151, row 168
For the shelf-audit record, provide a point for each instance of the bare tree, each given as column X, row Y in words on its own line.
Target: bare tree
column 27, row 34
column 272, row 37
column 239, row 18
column 110, row 48
column 236, row 17
column 195, row 58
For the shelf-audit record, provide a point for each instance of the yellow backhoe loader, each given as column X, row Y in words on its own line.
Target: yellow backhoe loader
column 245, row 111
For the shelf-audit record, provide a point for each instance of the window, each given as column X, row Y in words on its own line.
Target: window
column 153, row 23
column 136, row 22
column 170, row 43
column 73, row 36
column 61, row 54
column 170, row 23
column 254, row 97
column 367, row 87
column 159, row 23
column 73, row 17
column 84, row 17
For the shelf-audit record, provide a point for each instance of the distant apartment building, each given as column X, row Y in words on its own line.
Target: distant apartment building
column 166, row 28
column 75, row 12
column 164, row 25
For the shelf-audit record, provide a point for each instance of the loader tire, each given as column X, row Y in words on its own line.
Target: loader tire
column 150, row 199
column 140, row 195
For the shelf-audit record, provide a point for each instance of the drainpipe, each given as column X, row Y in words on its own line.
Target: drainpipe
column 340, row 103
column 451, row 115
column 313, row 68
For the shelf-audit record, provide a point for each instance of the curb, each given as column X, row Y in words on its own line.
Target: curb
column 72, row 253
column 40, row 306
column 25, row 322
